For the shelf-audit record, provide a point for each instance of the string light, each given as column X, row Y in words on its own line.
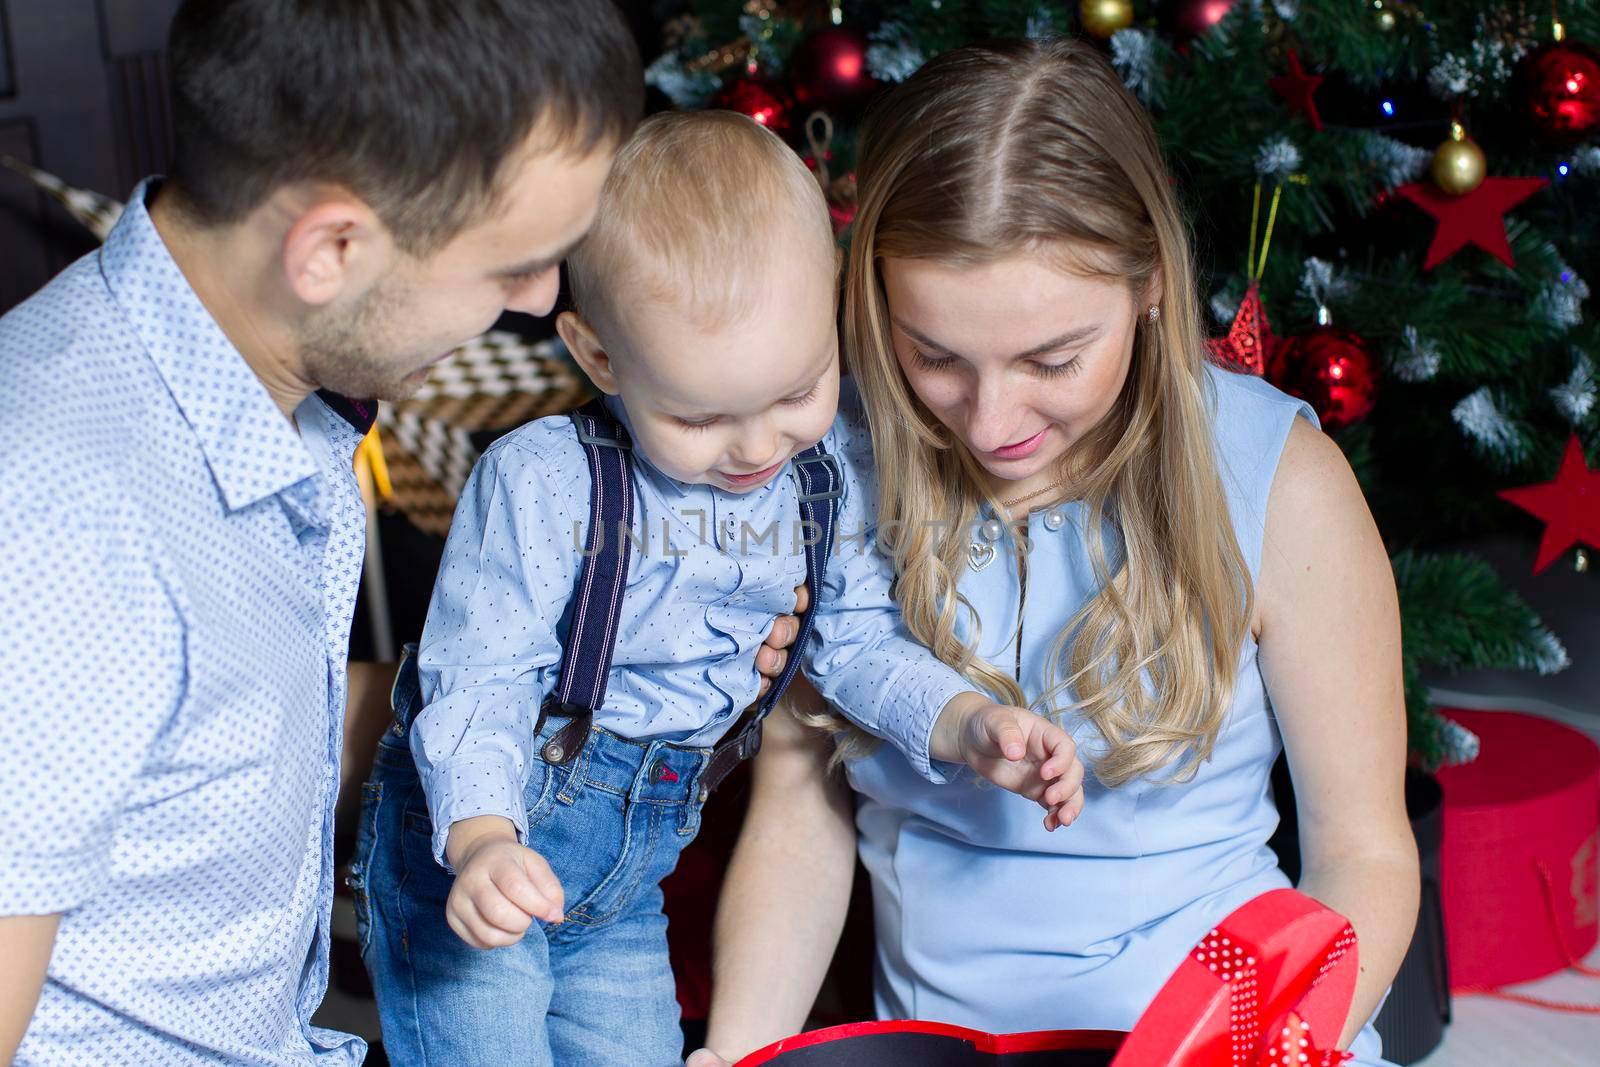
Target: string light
column 1388, row 108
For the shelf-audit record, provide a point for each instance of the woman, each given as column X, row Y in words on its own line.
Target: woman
column 1169, row 555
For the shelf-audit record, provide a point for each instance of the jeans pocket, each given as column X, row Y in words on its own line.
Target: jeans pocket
column 688, row 821
column 600, row 846
column 539, row 795
column 366, row 838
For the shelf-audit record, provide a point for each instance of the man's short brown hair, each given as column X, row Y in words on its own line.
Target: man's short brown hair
column 415, row 106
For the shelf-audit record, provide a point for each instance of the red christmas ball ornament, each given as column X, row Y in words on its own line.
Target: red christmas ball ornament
column 829, row 70
column 761, row 99
column 842, row 203
column 1560, row 87
column 1188, row 19
column 1330, row 369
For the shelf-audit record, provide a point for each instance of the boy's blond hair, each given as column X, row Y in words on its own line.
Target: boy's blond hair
column 697, row 203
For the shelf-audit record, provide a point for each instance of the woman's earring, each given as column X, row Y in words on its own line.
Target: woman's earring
column 1154, row 314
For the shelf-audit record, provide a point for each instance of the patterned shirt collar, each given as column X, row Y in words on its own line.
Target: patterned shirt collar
column 252, row 450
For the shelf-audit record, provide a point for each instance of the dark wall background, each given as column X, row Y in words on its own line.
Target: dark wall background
column 83, row 94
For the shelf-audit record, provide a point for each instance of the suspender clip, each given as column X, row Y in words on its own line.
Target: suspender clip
column 585, row 437
column 560, row 709
column 836, row 479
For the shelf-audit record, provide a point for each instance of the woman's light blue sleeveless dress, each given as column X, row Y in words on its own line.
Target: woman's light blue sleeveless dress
column 984, row 919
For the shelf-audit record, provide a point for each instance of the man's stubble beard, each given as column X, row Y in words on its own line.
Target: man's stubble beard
column 344, row 351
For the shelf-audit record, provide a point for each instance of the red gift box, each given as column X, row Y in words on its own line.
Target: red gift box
column 1521, row 842
column 1269, row 987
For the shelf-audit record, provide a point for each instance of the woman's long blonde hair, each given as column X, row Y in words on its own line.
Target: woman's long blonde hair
column 989, row 151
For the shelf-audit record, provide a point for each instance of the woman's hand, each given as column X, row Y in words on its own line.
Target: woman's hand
column 1015, row 749
column 706, row 1058
column 774, row 651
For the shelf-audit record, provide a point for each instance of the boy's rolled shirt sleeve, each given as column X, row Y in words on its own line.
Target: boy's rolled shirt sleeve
column 863, row 660
column 490, row 652
column 92, row 674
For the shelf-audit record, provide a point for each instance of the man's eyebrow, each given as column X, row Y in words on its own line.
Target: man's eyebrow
column 1082, row 333
column 539, row 266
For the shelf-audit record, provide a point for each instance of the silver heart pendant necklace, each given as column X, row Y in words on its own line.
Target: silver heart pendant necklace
column 983, row 549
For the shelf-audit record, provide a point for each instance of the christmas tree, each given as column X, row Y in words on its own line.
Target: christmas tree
column 1394, row 207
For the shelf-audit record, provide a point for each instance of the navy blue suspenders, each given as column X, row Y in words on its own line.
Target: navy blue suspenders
column 597, row 601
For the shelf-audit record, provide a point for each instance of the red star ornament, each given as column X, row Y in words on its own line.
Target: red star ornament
column 1570, row 506
column 1248, row 340
column 1476, row 218
column 1297, row 87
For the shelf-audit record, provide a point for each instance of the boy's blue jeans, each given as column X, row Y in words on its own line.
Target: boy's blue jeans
column 595, row 990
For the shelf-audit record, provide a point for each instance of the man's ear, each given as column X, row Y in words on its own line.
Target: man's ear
column 587, row 350
column 333, row 248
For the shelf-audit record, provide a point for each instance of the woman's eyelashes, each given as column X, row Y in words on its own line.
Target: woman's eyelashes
column 1058, row 370
column 1043, row 370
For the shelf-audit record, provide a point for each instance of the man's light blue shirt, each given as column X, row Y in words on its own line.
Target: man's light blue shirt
column 175, row 603
column 710, row 570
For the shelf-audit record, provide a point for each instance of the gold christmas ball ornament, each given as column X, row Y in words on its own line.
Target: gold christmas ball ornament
column 1102, row 18
column 1459, row 165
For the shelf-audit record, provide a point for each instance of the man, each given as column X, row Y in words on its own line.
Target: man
column 358, row 187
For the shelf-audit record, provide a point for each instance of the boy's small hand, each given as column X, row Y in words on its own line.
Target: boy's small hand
column 1022, row 752
column 500, row 888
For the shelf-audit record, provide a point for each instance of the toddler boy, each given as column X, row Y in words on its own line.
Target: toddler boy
column 579, row 678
